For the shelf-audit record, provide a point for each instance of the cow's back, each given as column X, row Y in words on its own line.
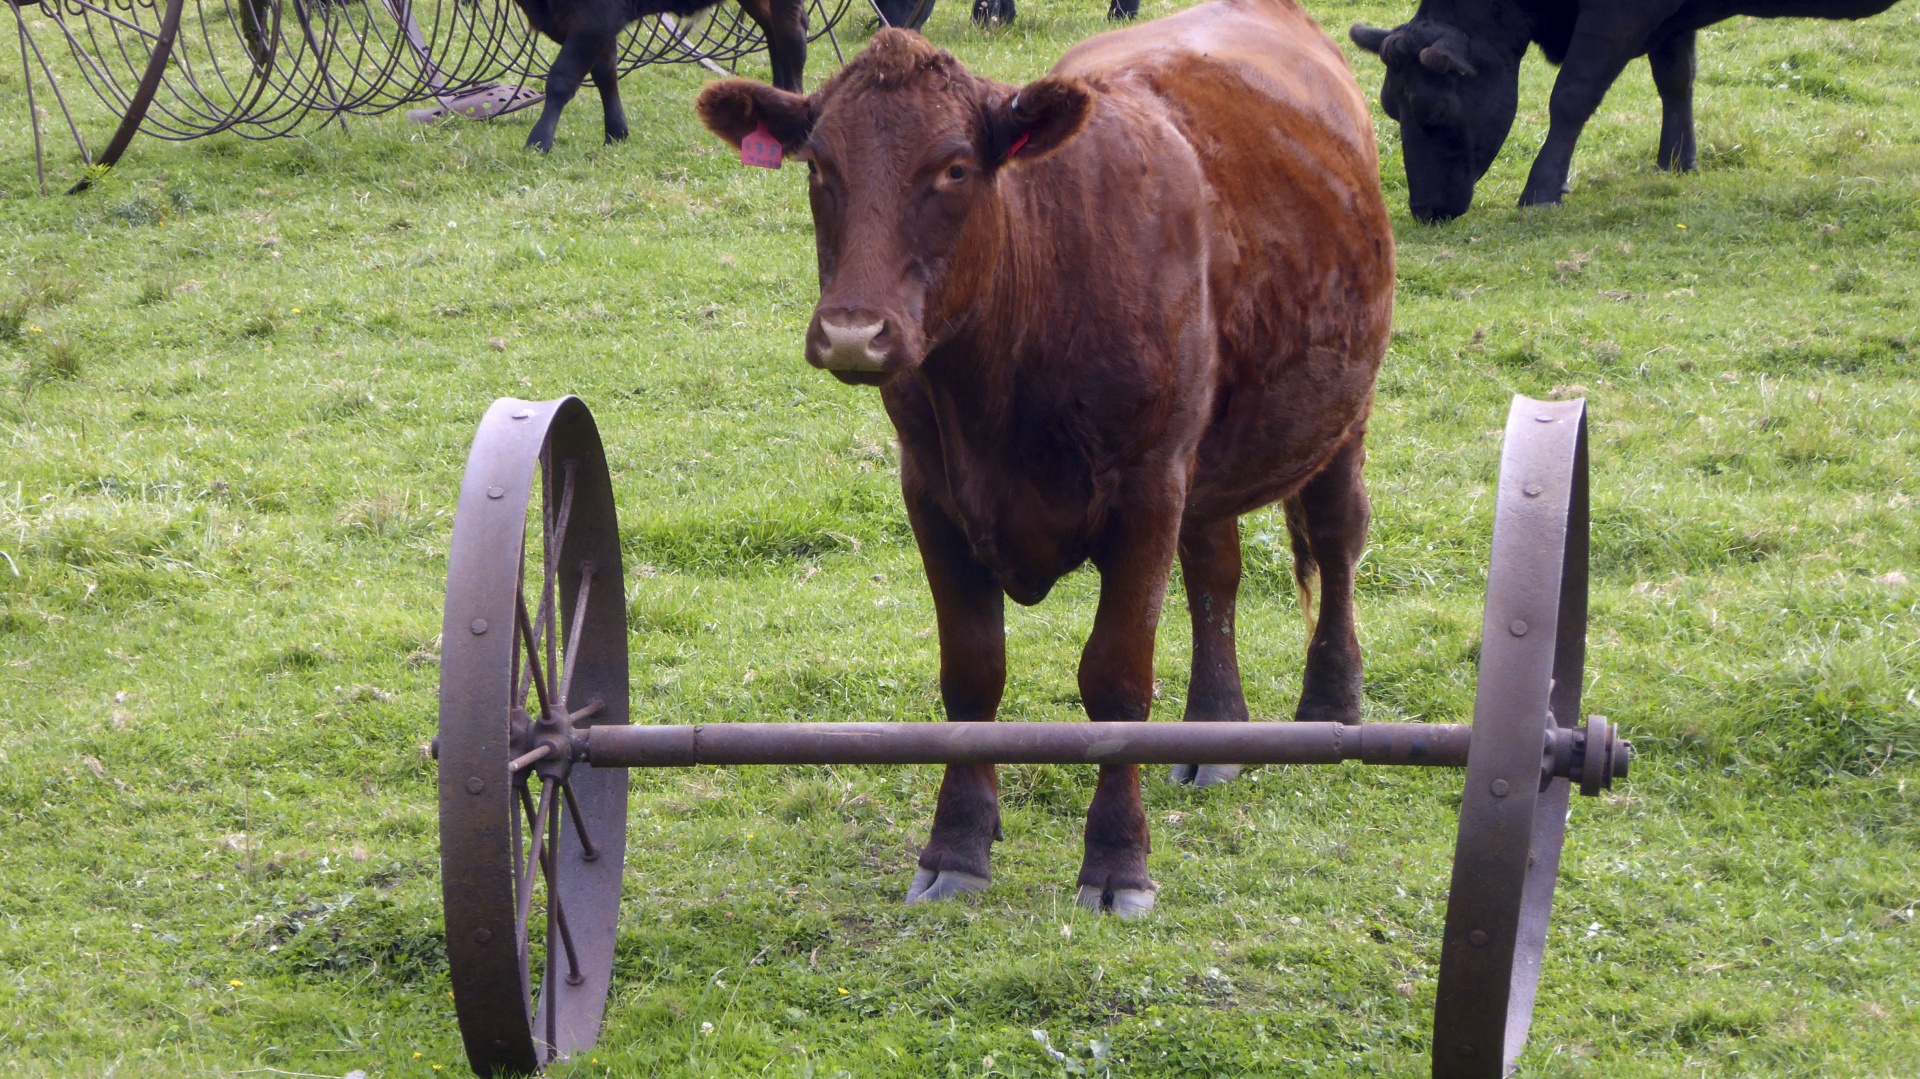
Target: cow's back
column 1301, row 253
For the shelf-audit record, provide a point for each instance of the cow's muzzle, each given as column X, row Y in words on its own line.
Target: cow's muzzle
column 858, row 347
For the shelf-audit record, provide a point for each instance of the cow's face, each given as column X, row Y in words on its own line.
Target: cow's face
column 904, row 151
column 1454, row 104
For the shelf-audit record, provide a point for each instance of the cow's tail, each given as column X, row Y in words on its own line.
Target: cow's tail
column 1306, row 572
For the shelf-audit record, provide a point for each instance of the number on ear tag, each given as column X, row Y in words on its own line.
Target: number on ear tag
column 760, row 148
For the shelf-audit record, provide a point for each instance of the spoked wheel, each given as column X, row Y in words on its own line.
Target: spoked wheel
column 1512, row 822
column 534, row 648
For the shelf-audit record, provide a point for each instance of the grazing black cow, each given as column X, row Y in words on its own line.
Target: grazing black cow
column 588, row 32
column 1453, row 77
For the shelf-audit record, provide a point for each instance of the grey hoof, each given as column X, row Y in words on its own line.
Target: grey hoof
column 930, row 886
column 1121, row 902
column 1182, row 773
column 1210, row 774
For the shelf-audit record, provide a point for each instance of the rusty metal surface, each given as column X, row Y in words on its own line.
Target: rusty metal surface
column 1434, row 744
column 1533, row 642
column 491, row 855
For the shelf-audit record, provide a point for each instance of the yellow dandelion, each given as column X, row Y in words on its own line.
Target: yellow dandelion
column 436, row 1067
column 843, row 992
column 1678, row 225
column 416, row 1056
column 236, row 983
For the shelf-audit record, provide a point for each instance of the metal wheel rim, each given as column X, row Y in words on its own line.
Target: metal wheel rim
column 1512, row 826
column 483, row 801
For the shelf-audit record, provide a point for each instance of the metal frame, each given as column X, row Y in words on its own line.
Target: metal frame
column 266, row 69
column 1523, row 754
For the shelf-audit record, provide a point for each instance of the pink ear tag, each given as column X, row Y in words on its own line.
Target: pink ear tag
column 760, row 149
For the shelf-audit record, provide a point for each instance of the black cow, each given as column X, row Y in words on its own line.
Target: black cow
column 1453, row 76
column 588, row 32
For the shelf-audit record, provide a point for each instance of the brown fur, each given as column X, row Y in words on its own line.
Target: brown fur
column 1164, row 310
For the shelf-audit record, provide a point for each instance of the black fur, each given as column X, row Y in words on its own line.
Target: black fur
column 588, row 33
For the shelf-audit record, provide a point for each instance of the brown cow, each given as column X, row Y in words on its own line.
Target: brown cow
column 1108, row 312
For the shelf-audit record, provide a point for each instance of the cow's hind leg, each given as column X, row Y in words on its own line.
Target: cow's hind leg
column 1673, row 65
column 1210, row 569
column 606, row 79
column 968, row 608
column 1116, row 684
column 1328, row 521
column 578, row 53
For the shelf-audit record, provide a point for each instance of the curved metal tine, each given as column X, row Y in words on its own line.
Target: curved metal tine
column 831, row 36
column 33, row 107
column 536, row 859
column 573, row 637
column 59, row 98
column 92, row 67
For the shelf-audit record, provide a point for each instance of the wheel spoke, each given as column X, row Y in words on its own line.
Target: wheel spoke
column 588, row 852
column 528, row 638
column 573, row 636
column 557, row 912
column 530, row 757
column 535, row 858
column 556, row 538
column 553, row 907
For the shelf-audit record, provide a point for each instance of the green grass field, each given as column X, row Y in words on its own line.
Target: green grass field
column 238, row 381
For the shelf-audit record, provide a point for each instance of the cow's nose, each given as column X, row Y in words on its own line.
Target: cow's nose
column 849, row 341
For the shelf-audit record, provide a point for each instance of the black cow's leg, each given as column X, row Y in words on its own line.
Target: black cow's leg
column 1329, row 515
column 1673, row 67
column 1116, row 684
column 967, row 605
column 1123, row 9
column 993, row 12
column 1210, row 568
column 606, row 79
column 784, row 24
column 1592, row 64
column 577, row 54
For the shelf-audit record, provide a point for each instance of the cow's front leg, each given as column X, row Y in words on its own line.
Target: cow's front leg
column 1116, row 685
column 967, row 605
column 1673, row 66
column 1593, row 62
column 1210, row 568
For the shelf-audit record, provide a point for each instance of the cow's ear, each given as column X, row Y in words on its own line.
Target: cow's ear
column 1036, row 121
column 1447, row 57
column 1370, row 38
column 735, row 108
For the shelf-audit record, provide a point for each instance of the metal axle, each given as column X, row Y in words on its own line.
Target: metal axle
column 1430, row 744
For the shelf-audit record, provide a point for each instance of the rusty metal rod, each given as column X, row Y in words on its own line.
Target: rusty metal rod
column 1431, row 744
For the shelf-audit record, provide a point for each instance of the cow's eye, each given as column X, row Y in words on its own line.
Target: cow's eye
column 957, row 172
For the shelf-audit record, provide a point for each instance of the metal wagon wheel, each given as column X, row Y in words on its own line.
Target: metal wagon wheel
column 1512, row 823
column 534, row 647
